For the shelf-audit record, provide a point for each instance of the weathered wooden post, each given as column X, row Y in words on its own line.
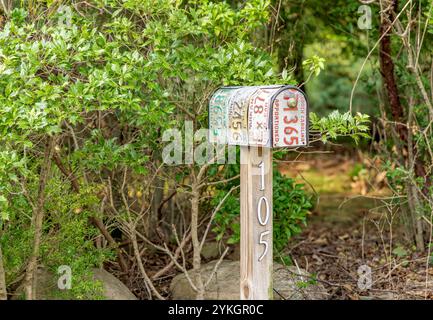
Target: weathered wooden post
column 256, row 223
column 258, row 119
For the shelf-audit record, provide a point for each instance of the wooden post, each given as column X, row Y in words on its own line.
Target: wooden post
column 263, row 118
column 256, row 223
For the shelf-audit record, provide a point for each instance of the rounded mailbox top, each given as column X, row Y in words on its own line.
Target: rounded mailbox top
column 266, row 116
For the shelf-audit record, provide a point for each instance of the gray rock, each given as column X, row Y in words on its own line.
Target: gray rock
column 211, row 250
column 289, row 283
column 114, row 289
column 47, row 289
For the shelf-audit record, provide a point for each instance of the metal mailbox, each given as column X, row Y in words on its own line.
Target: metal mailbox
column 264, row 116
column 290, row 118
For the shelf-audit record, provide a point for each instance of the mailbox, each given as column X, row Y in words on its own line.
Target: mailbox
column 263, row 116
column 290, row 118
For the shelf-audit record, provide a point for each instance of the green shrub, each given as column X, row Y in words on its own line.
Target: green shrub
column 291, row 205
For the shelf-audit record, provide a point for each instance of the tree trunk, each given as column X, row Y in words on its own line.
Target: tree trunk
column 414, row 206
column 397, row 111
column 148, row 282
column 289, row 32
column 412, row 193
column 387, row 67
column 154, row 217
column 195, row 240
column 37, row 222
column 3, row 291
column 158, row 194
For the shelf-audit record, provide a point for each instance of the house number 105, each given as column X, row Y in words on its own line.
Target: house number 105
column 263, row 201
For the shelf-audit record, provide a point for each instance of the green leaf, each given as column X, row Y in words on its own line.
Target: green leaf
column 400, row 252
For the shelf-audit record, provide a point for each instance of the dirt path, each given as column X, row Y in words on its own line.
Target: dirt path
column 350, row 242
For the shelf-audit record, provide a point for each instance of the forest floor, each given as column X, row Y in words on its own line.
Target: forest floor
column 355, row 224
column 353, row 234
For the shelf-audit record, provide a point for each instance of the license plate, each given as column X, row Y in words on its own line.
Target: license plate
column 290, row 118
column 238, row 116
column 259, row 117
column 218, row 114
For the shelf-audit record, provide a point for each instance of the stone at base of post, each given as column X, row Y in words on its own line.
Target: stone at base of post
column 256, row 224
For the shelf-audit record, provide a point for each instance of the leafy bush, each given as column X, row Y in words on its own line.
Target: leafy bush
column 105, row 79
column 291, row 205
column 291, row 208
column 338, row 124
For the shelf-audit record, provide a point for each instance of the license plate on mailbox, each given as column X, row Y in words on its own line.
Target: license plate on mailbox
column 238, row 116
column 218, row 114
column 290, row 118
column 259, row 117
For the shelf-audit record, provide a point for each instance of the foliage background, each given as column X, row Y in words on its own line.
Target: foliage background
column 91, row 86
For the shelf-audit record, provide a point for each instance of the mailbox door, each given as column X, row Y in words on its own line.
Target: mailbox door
column 290, row 118
column 260, row 117
column 218, row 114
column 238, row 116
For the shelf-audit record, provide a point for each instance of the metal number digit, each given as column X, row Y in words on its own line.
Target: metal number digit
column 262, row 175
column 265, row 243
column 259, row 211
